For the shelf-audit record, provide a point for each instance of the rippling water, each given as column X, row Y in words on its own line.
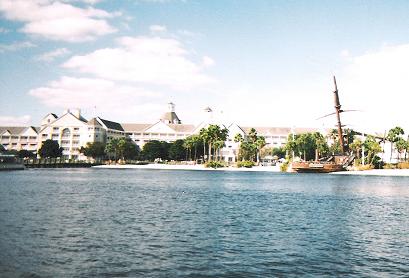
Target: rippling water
column 153, row 223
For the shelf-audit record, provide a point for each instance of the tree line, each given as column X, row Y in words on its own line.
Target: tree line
column 208, row 143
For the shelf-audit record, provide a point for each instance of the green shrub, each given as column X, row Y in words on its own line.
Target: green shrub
column 214, row 164
column 245, row 163
column 284, row 166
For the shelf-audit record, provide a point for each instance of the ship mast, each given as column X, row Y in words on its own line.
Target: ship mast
column 337, row 112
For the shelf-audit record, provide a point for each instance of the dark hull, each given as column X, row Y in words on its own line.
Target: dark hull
column 311, row 167
column 11, row 166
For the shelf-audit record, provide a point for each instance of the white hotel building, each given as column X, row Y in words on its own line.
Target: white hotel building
column 72, row 131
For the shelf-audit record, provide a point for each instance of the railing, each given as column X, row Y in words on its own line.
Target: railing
column 60, row 163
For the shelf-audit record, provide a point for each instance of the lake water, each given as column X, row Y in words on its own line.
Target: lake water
column 158, row 223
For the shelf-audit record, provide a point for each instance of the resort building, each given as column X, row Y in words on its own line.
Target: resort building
column 18, row 138
column 72, row 131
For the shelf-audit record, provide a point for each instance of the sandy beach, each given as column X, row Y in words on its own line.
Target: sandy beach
column 375, row 172
column 190, row 167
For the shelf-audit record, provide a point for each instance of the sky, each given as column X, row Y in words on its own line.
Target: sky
column 255, row 63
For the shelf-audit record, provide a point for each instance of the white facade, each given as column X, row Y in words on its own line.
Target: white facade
column 72, row 132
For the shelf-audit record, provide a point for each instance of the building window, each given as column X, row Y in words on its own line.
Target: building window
column 66, row 133
column 55, row 128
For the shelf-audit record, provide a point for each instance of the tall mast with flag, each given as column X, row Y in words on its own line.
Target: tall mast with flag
column 338, row 112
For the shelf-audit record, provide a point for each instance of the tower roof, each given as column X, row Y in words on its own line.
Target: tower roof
column 170, row 117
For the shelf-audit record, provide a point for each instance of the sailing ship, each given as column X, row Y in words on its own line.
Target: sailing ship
column 333, row 163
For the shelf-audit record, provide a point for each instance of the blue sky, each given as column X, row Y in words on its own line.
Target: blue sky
column 254, row 62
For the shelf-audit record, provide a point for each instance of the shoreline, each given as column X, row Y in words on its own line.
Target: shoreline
column 273, row 169
column 376, row 172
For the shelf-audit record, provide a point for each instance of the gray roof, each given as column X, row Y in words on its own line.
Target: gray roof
column 18, row 129
column 14, row 130
column 171, row 117
column 182, row 127
column 128, row 127
column 112, row 125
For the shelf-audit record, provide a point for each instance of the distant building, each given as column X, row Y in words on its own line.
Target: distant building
column 72, row 131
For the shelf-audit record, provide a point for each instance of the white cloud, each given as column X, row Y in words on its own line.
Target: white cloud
column 345, row 53
column 56, row 20
column 15, row 46
column 117, row 101
column 50, row 56
column 377, row 83
column 15, row 121
column 157, row 28
column 207, row 61
column 91, row 2
column 150, row 60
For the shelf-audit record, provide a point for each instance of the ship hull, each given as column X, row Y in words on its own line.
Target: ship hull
column 311, row 167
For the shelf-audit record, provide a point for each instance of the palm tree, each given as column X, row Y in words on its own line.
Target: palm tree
column 356, row 146
column 195, row 139
column 204, row 135
column 393, row 136
column 188, row 144
column 260, row 143
column 112, row 147
column 401, row 145
column 238, row 138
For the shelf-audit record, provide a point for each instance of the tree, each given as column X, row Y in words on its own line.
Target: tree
column 401, row 145
column 307, row 145
column 278, row 151
column 94, row 149
column 260, row 143
column 211, row 135
column 238, row 138
column 251, row 145
column 112, row 148
column 188, row 146
column 321, row 145
column 197, row 145
column 128, row 149
column 204, row 135
column 371, row 149
column 155, row 149
column 356, row 146
column 50, row 149
column 2, row 148
column 26, row 154
column 177, row 150
column 393, row 136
